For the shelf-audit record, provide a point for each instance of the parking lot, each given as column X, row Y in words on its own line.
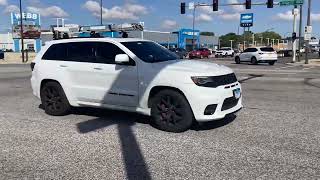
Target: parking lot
column 275, row 136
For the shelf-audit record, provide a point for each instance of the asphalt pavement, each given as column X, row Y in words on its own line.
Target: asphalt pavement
column 275, row 136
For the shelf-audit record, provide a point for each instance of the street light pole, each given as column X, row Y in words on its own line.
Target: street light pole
column 308, row 24
column 21, row 33
column 101, row 12
column 300, row 32
column 193, row 21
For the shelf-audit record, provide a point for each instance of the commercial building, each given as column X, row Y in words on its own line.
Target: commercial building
column 182, row 38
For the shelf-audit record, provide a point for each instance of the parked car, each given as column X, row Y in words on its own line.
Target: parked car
column 257, row 55
column 1, row 54
column 182, row 53
column 133, row 75
column 224, row 52
column 200, row 53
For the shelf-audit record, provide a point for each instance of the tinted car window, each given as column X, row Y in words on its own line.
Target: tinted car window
column 81, row 51
column 56, row 52
column 106, row 53
column 150, row 51
column 267, row 49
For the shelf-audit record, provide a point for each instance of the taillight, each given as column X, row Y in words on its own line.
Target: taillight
column 32, row 65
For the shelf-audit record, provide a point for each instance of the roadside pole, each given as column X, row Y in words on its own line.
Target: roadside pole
column 294, row 43
column 300, row 33
column 21, row 33
column 193, row 21
column 308, row 24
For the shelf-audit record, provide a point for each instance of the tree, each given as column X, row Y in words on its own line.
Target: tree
column 207, row 33
column 225, row 39
column 267, row 34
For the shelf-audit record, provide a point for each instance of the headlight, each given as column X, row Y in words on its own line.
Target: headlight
column 201, row 80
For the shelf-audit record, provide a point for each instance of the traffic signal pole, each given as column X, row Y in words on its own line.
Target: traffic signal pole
column 300, row 32
column 308, row 24
column 294, row 41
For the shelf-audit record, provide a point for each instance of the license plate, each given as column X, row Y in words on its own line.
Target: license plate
column 237, row 93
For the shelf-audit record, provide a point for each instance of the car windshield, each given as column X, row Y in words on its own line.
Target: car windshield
column 150, row 52
column 267, row 49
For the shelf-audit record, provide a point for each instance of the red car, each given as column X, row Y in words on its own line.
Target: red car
column 200, row 53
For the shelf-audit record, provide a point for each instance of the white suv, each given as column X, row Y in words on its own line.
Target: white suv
column 133, row 75
column 224, row 52
column 257, row 55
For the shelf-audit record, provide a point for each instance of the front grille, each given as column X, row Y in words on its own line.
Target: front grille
column 229, row 103
column 221, row 80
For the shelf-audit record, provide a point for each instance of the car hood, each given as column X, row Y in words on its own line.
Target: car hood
column 193, row 67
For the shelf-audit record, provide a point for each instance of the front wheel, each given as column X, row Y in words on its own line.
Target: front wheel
column 54, row 99
column 171, row 112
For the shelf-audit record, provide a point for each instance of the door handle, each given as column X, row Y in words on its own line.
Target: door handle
column 97, row 68
column 63, row 65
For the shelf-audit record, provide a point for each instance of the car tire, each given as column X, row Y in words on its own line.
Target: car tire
column 54, row 100
column 271, row 63
column 201, row 56
column 254, row 60
column 237, row 60
column 171, row 112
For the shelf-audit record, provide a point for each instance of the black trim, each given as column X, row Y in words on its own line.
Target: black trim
column 120, row 94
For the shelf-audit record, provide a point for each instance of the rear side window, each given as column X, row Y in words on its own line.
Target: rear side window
column 56, row 52
column 80, row 51
column 267, row 49
column 251, row 50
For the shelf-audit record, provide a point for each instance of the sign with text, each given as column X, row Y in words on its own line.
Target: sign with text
column 291, row 2
column 246, row 20
column 31, row 25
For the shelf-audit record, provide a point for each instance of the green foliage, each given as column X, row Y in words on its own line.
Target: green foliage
column 225, row 39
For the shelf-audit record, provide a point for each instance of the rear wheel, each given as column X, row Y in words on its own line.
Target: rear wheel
column 54, row 99
column 254, row 60
column 171, row 112
column 272, row 63
column 237, row 60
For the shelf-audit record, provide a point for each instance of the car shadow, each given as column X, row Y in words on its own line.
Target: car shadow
column 135, row 165
column 307, row 82
column 251, row 76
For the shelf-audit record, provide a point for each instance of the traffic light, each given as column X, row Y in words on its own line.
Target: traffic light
column 270, row 4
column 183, row 8
column 294, row 36
column 248, row 4
column 215, row 4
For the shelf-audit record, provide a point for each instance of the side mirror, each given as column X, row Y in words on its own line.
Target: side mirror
column 121, row 59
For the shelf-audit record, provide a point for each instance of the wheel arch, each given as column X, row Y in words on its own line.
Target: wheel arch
column 157, row 89
column 69, row 98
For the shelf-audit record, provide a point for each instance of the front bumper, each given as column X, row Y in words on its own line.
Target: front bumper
column 201, row 97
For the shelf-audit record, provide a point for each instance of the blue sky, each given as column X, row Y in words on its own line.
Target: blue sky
column 161, row 15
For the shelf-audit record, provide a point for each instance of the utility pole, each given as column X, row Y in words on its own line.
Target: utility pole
column 308, row 24
column 294, row 43
column 101, row 23
column 21, row 33
column 300, row 32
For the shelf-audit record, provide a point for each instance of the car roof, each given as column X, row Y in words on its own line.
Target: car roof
column 96, row 40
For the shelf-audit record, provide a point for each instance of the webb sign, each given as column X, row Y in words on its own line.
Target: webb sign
column 246, row 20
column 31, row 25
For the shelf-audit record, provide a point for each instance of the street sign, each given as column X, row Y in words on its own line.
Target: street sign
column 307, row 36
column 291, row 2
column 246, row 20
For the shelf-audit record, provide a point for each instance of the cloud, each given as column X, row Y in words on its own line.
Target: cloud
column 52, row 11
column 169, row 24
column 204, row 18
column 11, row 8
column 128, row 11
column 286, row 16
column 315, row 16
column 3, row 2
column 230, row 16
column 237, row 8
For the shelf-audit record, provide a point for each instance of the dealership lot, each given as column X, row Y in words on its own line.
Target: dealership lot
column 276, row 135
